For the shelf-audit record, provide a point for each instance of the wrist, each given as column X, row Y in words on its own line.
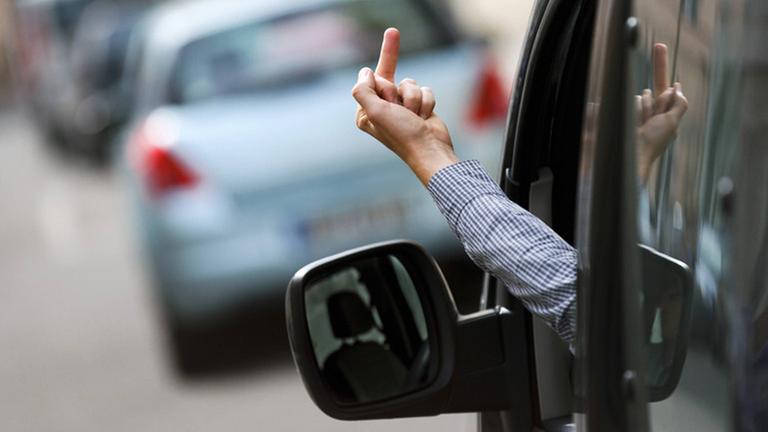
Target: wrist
column 429, row 160
column 643, row 160
column 644, row 165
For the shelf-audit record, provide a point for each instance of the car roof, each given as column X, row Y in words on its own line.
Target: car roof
column 177, row 23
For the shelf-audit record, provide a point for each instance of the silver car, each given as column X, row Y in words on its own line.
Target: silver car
column 243, row 155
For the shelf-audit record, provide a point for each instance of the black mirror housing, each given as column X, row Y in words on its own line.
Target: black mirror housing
column 471, row 363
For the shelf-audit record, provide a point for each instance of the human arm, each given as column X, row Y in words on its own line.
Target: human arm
column 536, row 265
column 659, row 114
column 529, row 258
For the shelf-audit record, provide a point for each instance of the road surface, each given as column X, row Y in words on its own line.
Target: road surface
column 80, row 347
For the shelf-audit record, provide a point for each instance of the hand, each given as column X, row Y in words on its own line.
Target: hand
column 659, row 115
column 402, row 118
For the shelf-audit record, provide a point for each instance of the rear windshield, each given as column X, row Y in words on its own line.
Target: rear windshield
column 299, row 47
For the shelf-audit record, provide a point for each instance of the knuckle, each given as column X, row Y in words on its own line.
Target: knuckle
column 390, row 93
column 411, row 97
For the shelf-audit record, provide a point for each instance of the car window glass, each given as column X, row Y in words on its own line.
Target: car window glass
column 297, row 47
column 679, row 215
column 642, row 68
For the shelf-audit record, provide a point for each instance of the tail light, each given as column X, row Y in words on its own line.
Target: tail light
column 491, row 98
column 152, row 155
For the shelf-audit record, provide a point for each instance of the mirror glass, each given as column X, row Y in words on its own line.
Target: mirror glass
column 666, row 293
column 369, row 330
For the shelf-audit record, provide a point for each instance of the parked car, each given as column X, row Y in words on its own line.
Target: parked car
column 98, row 55
column 69, row 67
column 672, row 285
column 243, row 157
column 42, row 39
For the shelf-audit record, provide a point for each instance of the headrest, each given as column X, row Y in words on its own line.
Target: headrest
column 348, row 314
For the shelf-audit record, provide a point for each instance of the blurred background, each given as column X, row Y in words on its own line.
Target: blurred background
column 165, row 167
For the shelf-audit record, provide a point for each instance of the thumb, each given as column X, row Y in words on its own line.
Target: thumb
column 364, row 91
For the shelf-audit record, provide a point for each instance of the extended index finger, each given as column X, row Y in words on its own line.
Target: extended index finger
column 390, row 48
column 660, row 68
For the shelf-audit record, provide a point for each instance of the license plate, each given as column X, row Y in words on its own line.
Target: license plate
column 354, row 225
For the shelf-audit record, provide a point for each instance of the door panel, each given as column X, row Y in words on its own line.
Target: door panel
column 553, row 359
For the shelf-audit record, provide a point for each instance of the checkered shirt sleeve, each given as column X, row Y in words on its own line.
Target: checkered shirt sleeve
column 534, row 263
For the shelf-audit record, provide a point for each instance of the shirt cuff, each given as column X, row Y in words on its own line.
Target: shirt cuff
column 455, row 186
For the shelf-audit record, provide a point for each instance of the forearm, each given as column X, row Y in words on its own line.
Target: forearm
column 532, row 261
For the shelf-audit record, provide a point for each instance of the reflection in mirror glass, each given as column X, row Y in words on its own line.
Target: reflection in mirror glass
column 368, row 330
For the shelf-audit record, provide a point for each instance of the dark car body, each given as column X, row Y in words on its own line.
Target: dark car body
column 99, row 55
column 68, row 66
column 570, row 158
column 42, row 41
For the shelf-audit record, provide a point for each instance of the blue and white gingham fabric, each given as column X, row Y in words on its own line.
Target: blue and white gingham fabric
column 534, row 263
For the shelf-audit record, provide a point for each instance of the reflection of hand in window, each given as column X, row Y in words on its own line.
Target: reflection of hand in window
column 659, row 114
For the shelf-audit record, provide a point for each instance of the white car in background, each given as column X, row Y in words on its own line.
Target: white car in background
column 244, row 156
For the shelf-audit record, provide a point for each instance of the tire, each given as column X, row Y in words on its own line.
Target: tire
column 186, row 349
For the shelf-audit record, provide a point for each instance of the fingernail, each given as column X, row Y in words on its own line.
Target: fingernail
column 364, row 72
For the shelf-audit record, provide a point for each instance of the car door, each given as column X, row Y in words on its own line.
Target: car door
column 539, row 172
column 704, row 205
column 608, row 373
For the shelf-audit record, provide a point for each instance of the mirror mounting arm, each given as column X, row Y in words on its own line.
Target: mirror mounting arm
column 487, row 375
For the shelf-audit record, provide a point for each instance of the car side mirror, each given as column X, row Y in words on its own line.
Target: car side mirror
column 667, row 299
column 375, row 333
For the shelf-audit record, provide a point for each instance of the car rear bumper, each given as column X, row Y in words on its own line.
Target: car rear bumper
column 204, row 275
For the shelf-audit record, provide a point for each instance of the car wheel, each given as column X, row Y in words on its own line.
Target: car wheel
column 242, row 338
column 186, row 349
